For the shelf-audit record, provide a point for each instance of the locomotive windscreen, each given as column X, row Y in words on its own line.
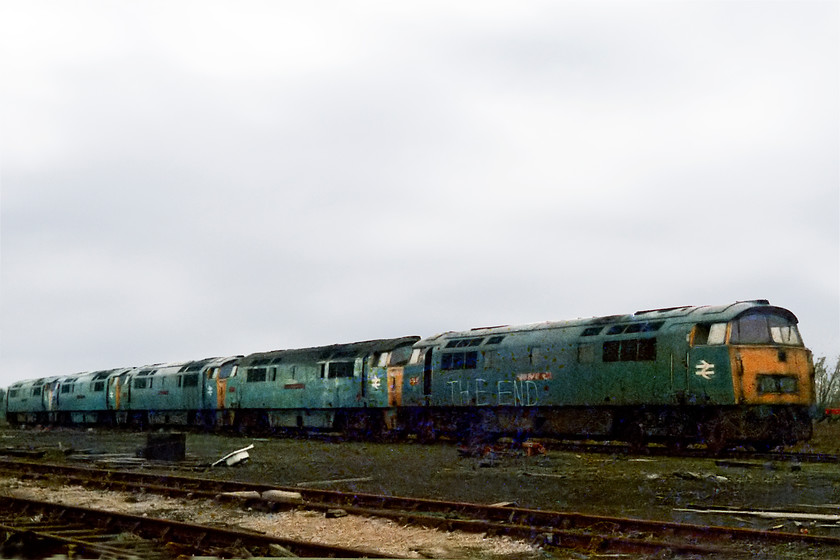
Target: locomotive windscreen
column 764, row 328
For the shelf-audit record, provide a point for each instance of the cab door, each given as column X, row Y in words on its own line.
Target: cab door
column 676, row 348
column 709, row 371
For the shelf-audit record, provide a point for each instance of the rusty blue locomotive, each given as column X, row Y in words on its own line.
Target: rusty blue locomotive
column 724, row 375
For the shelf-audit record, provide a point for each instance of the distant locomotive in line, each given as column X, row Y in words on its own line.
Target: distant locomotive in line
column 725, row 375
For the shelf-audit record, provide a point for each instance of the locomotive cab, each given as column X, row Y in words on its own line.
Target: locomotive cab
column 772, row 374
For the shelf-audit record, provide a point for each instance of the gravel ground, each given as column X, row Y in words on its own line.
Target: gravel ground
column 646, row 487
column 384, row 536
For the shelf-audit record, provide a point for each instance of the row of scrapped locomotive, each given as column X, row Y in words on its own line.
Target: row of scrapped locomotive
column 725, row 374
column 305, row 388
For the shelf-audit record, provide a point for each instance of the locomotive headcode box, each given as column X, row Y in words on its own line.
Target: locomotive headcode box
column 165, row 447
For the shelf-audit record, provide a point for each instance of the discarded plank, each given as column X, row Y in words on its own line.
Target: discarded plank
column 793, row 516
column 282, row 496
column 243, row 495
column 336, row 481
column 545, row 475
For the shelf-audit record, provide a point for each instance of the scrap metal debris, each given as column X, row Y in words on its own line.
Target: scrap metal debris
column 237, row 457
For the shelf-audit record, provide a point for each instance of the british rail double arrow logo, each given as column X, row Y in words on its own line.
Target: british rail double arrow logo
column 705, row 370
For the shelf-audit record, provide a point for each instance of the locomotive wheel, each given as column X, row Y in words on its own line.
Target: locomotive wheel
column 426, row 432
column 637, row 438
column 718, row 436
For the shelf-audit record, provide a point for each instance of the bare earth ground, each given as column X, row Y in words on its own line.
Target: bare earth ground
column 645, row 487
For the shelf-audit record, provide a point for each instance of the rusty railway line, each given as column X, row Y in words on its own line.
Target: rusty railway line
column 39, row 529
column 547, row 528
column 692, row 452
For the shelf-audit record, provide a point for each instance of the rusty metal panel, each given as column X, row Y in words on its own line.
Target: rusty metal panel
column 773, row 374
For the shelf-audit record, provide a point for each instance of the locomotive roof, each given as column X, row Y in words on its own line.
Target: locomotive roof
column 720, row 313
column 332, row 352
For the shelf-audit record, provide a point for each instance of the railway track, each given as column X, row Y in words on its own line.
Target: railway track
column 694, row 453
column 34, row 529
column 548, row 528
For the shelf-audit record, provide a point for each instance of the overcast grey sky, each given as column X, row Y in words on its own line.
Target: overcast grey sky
column 188, row 179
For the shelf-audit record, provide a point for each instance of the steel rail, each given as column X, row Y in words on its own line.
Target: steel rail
column 664, row 451
column 93, row 531
column 549, row 526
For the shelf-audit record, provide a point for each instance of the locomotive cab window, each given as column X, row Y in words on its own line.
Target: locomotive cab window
column 763, row 328
column 399, row 356
column 227, row 370
column 709, row 334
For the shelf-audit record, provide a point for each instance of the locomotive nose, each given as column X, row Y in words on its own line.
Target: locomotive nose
column 770, row 375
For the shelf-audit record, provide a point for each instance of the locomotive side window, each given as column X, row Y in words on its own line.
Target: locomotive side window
column 13, row 393
column 340, row 369
column 459, row 360
column 631, row 350
column 190, row 380
column 717, row 333
column 416, row 356
column 706, row 333
column 98, row 386
column 611, row 351
column 255, row 375
column 591, row 331
column 628, row 350
column 646, row 350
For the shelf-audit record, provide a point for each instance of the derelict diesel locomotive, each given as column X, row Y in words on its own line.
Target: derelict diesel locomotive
column 723, row 375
